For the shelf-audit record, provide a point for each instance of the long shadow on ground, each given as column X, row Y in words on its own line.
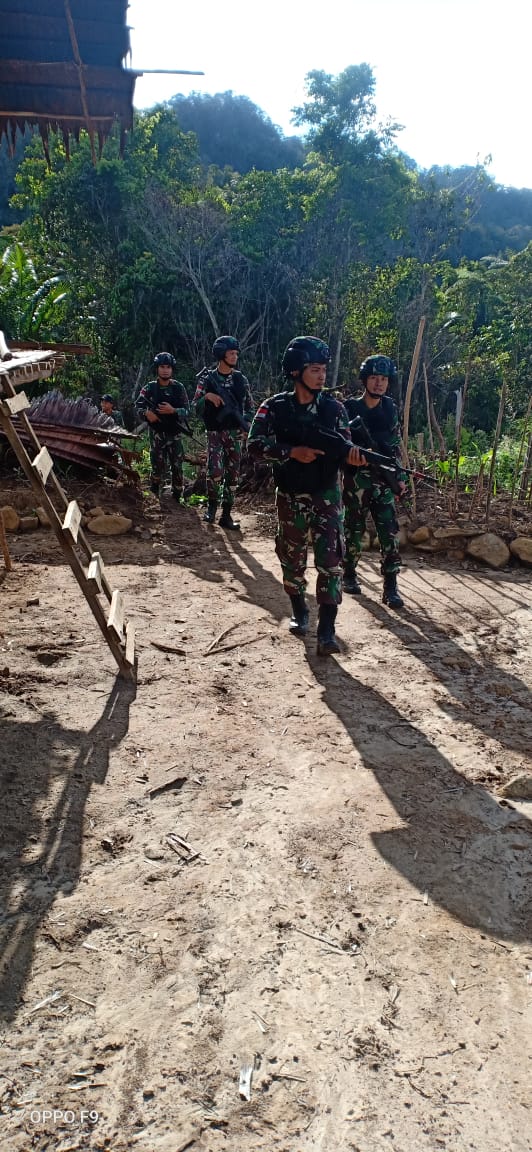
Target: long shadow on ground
column 33, row 757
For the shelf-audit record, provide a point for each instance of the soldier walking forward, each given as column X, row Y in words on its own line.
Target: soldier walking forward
column 308, row 494
column 366, row 492
column 163, row 403
column 223, row 399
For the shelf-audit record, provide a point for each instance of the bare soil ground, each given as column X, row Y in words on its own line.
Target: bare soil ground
column 353, row 918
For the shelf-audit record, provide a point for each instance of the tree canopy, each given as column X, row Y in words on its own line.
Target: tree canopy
column 213, row 221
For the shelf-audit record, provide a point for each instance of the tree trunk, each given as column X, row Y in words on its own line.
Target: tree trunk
column 336, row 361
column 526, row 474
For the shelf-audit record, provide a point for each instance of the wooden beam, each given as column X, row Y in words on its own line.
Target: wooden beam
column 72, row 520
column 95, row 572
column 115, row 620
column 43, row 464
column 130, row 643
column 14, row 404
column 35, row 345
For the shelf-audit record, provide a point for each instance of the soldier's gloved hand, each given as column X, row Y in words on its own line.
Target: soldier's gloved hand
column 151, row 417
column 165, row 408
column 355, row 458
column 214, row 399
column 305, row 455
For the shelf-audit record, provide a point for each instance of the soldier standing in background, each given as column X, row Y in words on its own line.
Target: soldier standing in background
column 163, row 403
column 223, row 400
column 107, row 407
column 364, row 491
column 308, row 494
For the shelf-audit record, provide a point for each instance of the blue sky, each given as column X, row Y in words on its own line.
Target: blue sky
column 455, row 73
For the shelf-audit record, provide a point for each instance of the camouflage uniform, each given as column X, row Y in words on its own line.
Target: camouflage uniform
column 166, row 444
column 308, row 496
column 224, row 445
column 365, row 492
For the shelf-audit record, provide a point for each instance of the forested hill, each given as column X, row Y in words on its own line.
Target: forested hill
column 234, row 135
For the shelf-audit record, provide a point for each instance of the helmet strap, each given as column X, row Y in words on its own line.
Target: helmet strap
column 312, row 391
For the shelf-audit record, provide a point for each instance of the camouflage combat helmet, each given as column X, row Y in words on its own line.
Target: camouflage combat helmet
column 224, row 344
column 164, row 359
column 378, row 365
column 304, row 350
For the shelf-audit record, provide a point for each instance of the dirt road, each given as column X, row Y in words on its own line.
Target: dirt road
column 349, row 928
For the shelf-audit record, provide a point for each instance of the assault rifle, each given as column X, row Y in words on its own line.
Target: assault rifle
column 335, row 446
column 229, row 409
column 180, row 424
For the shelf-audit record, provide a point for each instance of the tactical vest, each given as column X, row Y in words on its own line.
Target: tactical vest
column 292, row 476
column 173, row 394
column 380, row 421
column 214, row 419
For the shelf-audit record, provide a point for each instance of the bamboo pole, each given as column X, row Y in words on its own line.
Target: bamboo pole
column 459, row 435
column 519, row 460
column 496, row 439
column 478, row 489
column 427, row 402
column 3, row 541
column 410, row 387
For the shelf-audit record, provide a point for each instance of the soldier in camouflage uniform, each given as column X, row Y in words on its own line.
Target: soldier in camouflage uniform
column 364, row 489
column 163, row 403
column 308, row 495
column 223, row 399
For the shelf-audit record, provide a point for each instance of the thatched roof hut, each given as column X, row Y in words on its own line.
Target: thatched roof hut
column 61, row 68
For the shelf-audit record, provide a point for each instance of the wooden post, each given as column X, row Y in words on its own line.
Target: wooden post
column 496, row 439
column 459, row 436
column 519, row 461
column 427, row 403
column 3, row 541
column 410, row 387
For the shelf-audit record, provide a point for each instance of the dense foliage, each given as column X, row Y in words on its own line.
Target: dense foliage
column 214, row 222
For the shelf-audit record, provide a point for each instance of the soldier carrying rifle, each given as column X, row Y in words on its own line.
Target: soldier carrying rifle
column 308, row 494
column 165, row 405
column 223, row 399
column 368, row 489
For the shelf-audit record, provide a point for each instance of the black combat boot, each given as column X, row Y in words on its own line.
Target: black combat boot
column 327, row 642
column 226, row 520
column 210, row 514
column 177, row 493
column 350, row 582
column 390, row 594
column 298, row 625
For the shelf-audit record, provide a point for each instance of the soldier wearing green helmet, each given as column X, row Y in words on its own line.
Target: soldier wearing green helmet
column 223, row 400
column 366, row 492
column 308, row 490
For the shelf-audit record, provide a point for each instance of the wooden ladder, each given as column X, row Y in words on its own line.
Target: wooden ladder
column 118, row 633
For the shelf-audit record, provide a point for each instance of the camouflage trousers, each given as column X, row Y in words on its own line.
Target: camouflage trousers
column 224, row 452
column 166, row 449
column 317, row 519
column 362, row 494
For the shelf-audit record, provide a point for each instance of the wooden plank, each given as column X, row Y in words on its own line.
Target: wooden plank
column 95, row 572
column 14, row 404
column 72, row 520
column 130, row 643
column 115, row 620
column 43, row 464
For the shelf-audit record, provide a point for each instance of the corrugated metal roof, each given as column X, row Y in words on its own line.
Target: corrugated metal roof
column 61, row 67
